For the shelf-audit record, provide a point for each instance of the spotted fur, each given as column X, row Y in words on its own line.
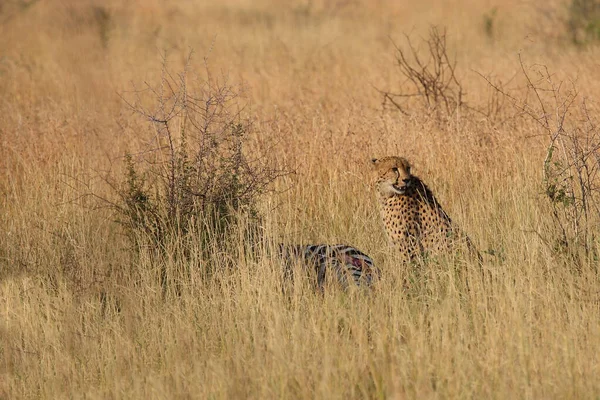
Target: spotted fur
column 414, row 221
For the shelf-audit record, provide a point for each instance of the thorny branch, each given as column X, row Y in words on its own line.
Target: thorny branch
column 432, row 78
column 198, row 163
column 572, row 162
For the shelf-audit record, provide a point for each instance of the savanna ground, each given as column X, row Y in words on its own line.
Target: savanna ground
column 87, row 314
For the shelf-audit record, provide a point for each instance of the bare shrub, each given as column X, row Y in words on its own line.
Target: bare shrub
column 432, row 77
column 572, row 163
column 197, row 175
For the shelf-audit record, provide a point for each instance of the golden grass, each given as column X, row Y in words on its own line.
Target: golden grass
column 83, row 316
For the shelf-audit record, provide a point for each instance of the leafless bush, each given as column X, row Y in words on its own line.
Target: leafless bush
column 572, row 163
column 197, row 174
column 432, row 77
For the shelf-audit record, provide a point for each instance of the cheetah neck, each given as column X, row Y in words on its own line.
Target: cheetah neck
column 418, row 193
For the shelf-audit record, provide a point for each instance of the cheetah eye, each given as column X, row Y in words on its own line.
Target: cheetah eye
column 395, row 169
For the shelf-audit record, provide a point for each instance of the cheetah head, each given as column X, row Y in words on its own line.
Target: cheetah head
column 392, row 175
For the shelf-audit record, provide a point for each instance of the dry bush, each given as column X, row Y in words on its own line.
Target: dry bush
column 197, row 165
column 432, row 77
column 434, row 88
column 196, row 178
column 571, row 167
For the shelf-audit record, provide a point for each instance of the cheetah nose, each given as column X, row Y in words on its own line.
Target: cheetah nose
column 406, row 181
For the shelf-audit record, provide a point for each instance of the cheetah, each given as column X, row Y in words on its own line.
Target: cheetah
column 414, row 221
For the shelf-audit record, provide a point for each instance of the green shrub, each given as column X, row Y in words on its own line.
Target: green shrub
column 583, row 23
column 196, row 178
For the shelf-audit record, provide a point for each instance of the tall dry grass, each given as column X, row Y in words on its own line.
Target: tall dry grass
column 85, row 316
